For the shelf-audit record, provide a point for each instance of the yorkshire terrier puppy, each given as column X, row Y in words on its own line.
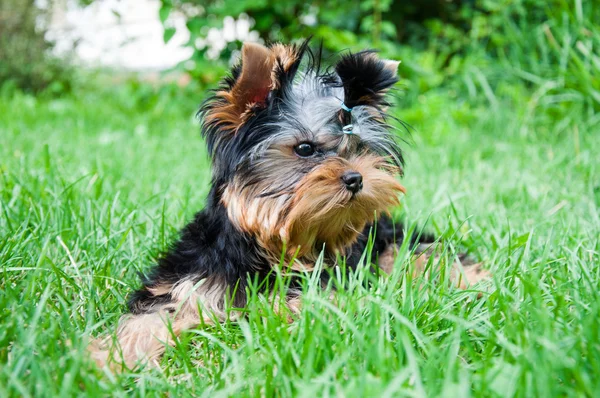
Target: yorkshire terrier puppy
column 304, row 162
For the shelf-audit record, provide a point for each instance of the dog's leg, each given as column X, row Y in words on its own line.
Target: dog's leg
column 388, row 238
column 141, row 339
column 143, row 336
column 463, row 270
column 157, row 320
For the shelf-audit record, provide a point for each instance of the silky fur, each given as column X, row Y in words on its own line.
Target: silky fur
column 266, row 202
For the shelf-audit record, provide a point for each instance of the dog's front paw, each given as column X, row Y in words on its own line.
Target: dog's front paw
column 465, row 274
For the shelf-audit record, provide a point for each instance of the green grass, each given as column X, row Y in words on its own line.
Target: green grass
column 94, row 186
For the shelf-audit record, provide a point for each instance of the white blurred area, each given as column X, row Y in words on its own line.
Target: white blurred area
column 128, row 34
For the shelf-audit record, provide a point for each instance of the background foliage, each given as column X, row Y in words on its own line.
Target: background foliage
column 477, row 48
column 26, row 60
column 474, row 50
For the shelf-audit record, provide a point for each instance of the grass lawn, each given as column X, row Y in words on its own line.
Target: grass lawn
column 93, row 187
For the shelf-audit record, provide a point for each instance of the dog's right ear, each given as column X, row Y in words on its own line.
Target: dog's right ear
column 261, row 71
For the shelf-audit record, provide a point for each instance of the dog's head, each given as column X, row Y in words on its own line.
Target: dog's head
column 303, row 158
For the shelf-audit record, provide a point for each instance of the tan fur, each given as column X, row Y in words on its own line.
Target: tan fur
column 160, row 289
column 386, row 260
column 143, row 338
column 285, row 56
column 323, row 211
column 463, row 274
column 140, row 339
column 257, row 78
column 389, row 64
column 260, row 216
column 292, row 305
column 320, row 211
column 254, row 80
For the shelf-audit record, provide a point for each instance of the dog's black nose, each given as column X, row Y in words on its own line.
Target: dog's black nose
column 353, row 181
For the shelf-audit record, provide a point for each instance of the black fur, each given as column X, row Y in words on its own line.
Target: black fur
column 211, row 245
column 208, row 246
column 364, row 78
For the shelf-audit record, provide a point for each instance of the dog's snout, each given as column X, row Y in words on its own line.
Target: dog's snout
column 353, row 181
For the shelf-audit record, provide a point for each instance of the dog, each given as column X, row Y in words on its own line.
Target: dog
column 305, row 163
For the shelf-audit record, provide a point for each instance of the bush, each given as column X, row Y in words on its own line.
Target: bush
column 26, row 61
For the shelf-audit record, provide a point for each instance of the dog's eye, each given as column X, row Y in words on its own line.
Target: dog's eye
column 305, row 149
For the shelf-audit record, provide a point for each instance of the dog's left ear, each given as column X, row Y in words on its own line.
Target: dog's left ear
column 366, row 78
column 249, row 86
